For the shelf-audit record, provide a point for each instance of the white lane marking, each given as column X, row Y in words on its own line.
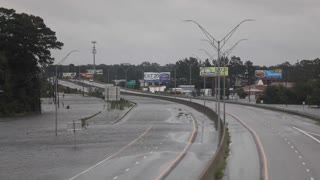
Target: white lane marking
column 300, row 157
column 123, row 148
column 127, row 170
column 116, row 177
column 311, row 178
column 285, row 139
column 151, row 152
column 156, row 147
column 137, row 162
column 308, row 170
column 292, row 147
column 289, row 142
column 305, row 133
column 296, row 151
column 144, row 157
column 303, row 163
column 313, row 133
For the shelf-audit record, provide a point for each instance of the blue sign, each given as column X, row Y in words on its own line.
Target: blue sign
column 163, row 77
column 272, row 74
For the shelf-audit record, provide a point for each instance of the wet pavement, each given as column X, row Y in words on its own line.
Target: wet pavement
column 140, row 146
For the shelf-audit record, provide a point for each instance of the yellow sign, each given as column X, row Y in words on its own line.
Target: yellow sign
column 213, row 71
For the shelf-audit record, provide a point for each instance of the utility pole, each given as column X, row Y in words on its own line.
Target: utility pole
column 94, row 51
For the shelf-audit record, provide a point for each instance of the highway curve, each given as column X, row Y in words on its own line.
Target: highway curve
column 166, row 130
column 290, row 144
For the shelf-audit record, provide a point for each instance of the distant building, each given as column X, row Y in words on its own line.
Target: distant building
column 154, row 89
column 259, row 88
column 187, row 89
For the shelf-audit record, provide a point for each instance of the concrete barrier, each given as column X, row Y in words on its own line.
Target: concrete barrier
column 215, row 163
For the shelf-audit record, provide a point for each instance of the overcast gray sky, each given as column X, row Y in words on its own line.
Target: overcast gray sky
column 132, row 31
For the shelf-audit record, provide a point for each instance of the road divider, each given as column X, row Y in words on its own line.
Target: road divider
column 175, row 162
column 217, row 159
column 262, row 154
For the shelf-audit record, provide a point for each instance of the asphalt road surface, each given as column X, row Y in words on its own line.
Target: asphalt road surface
column 291, row 144
column 143, row 145
column 270, row 145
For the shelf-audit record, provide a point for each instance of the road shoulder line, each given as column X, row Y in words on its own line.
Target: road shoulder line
column 262, row 154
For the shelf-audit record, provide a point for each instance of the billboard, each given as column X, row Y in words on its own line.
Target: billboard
column 213, row 71
column 86, row 75
column 98, row 71
column 69, row 75
column 156, row 77
column 269, row 74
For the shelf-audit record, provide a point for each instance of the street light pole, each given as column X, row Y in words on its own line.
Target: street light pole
column 204, row 78
column 190, row 79
column 125, row 71
column 56, row 90
column 175, row 83
column 215, row 78
column 219, row 85
column 220, row 45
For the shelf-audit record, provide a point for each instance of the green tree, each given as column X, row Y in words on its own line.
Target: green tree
column 26, row 43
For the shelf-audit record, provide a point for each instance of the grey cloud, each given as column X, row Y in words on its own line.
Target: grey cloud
column 135, row 31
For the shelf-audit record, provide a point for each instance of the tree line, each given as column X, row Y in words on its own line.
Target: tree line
column 26, row 64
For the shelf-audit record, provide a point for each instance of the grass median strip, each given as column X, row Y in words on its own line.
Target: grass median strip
column 221, row 169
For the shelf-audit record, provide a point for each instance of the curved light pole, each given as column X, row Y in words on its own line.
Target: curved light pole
column 204, row 80
column 125, row 71
column 175, row 80
column 215, row 79
column 218, row 45
column 109, row 72
column 225, row 55
column 56, row 89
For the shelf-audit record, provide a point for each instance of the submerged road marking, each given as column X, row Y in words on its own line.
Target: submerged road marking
column 167, row 171
column 307, row 134
column 260, row 147
column 123, row 148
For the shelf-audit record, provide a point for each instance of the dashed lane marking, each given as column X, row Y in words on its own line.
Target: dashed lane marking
column 116, row 177
column 127, row 170
column 114, row 154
